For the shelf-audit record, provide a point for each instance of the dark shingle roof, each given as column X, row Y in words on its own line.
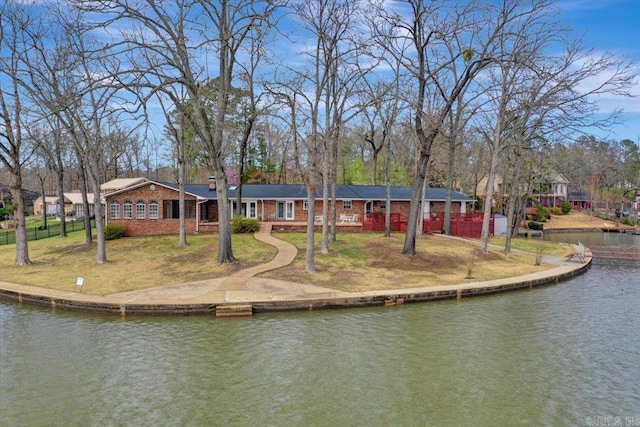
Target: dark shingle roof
column 299, row 191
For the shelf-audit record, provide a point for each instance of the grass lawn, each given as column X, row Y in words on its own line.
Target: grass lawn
column 133, row 262
column 357, row 262
column 366, row 261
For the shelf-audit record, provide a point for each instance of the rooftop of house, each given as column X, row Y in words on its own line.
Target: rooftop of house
column 120, row 183
column 299, row 191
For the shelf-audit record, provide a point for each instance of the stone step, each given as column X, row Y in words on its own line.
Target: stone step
column 234, row 310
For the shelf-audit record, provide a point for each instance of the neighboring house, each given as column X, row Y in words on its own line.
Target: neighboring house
column 28, row 196
column 49, row 204
column 151, row 207
column 72, row 205
column 481, row 188
column 552, row 191
column 580, row 199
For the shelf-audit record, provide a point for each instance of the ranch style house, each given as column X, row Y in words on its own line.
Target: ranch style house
column 150, row 207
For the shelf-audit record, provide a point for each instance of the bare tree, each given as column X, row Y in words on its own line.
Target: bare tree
column 431, row 28
column 179, row 132
column 164, row 43
column 14, row 19
column 335, row 70
column 537, row 95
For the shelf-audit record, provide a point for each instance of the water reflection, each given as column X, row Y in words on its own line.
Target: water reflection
column 550, row 356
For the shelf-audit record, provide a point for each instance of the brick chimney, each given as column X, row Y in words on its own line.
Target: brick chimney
column 212, row 183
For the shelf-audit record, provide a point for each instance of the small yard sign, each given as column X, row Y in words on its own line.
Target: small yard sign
column 79, row 284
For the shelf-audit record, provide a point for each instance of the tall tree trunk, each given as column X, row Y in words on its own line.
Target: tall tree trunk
column 310, row 265
column 488, row 198
column 182, row 173
column 88, row 237
column 324, row 249
column 94, row 174
column 225, row 251
column 450, row 177
column 18, row 205
column 511, row 205
column 44, row 204
column 60, row 189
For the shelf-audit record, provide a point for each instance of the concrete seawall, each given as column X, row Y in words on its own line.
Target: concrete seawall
column 286, row 296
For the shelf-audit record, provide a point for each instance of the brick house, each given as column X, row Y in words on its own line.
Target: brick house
column 151, row 207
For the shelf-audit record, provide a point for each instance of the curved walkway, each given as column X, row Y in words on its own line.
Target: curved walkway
column 244, row 294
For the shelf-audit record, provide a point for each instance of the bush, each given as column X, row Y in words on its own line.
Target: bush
column 628, row 221
column 556, row 210
column 565, row 207
column 6, row 212
column 542, row 212
column 114, row 231
column 535, row 225
column 240, row 224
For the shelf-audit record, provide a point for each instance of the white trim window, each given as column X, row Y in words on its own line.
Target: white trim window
column 153, row 209
column 346, row 205
column 249, row 209
column 284, row 210
column 305, row 205
column 141, row 209
column 114, row 209
column 127, row 209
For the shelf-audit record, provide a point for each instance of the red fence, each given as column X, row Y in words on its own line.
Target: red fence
column 375, row 222
column 463, row 225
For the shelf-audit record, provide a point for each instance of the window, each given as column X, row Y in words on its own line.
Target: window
column 383, row 204
column 153, row 209
column 114, row 208
column 171, row 209
column 248, row 209
column 368, row 207
column 305, row 205
column 284, row 210
column 346, row 204
column 141, row 209
column 127, row 209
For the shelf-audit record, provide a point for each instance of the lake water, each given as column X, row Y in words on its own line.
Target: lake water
column 567, row 354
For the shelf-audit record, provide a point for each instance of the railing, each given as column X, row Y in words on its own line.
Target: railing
column 375, row 221
column 462, row 224
column 8, row 237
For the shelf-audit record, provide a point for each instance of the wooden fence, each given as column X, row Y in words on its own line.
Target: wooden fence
column 463, row 225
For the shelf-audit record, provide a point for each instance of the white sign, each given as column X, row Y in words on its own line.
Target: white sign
column 80, row 281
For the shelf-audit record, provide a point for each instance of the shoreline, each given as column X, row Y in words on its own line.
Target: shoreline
column 268, row 295
column 244, row 293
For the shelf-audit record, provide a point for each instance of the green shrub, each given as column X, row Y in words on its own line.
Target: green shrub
column 542, row 212
column 565, row 207
column 628, row 221
column 240, row 224
column 114, row 231
column 6, row 212
column 535, row 225
column 556, row 210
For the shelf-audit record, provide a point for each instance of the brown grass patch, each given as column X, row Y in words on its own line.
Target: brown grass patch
column 356, row 262
column 360, row 262
column 133, row 262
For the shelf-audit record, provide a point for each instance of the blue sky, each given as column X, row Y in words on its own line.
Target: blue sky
column 610, row 25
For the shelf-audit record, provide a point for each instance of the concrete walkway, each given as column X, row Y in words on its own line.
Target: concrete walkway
column 257, row 294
